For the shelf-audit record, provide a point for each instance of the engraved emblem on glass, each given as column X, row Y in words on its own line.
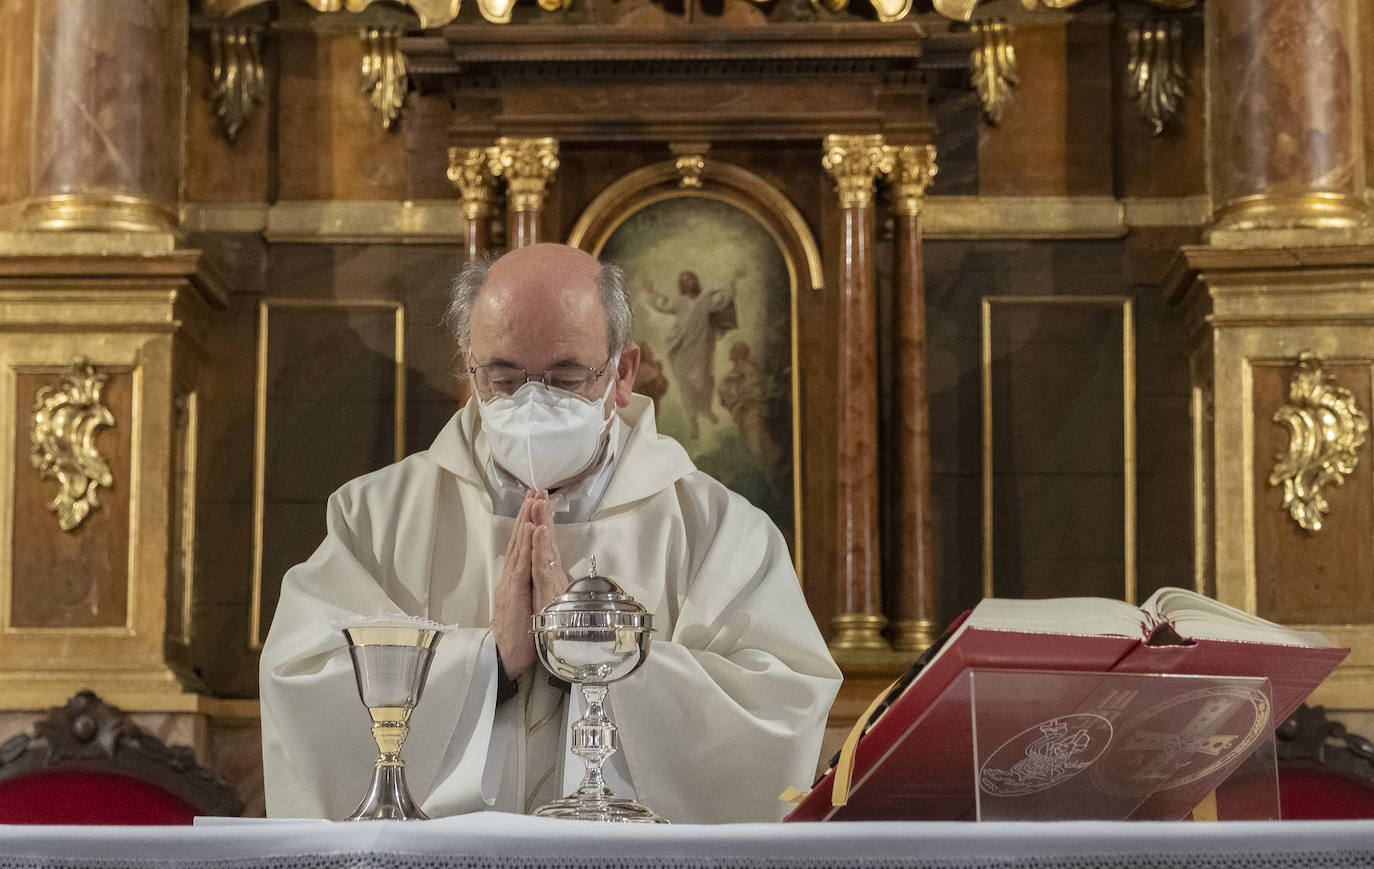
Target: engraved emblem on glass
column 390, row 662
column 592, row 635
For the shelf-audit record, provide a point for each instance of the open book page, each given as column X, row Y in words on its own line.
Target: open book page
column 1090, row 616
column 1198, row 616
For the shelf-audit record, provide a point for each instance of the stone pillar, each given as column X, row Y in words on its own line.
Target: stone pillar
column 527, row 165
column 107, row 106
column 1285, row 140
column 854, row 162
column 914, row 626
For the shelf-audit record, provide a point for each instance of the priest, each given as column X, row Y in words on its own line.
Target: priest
column 552, row 462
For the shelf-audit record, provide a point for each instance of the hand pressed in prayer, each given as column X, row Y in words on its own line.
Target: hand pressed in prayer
column 530, row 579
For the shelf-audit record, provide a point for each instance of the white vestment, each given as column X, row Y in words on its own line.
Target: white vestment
column 727, row 711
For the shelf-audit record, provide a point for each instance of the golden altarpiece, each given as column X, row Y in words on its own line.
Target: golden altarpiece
column 1061, row 304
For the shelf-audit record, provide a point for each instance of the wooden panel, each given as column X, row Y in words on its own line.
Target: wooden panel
column 1325, row 577
column 328, row 388
column 218, row 170
column 329, row 146
column 1052, row 140
column 78, row 578
column 1060, row 473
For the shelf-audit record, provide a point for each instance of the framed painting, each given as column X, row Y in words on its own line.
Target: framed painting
column 713, row 283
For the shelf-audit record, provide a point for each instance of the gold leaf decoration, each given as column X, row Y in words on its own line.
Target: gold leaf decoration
column 383, row 75
column 1154, row 69
column 962, row 10
column 237, row 82
column 66, row 419
column 1325, row 430
column 994, row 67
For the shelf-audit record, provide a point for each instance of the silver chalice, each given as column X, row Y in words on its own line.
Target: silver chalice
column 594, row 634
column 391, row 663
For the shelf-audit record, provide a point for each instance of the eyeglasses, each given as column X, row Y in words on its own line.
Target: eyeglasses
column 496, row 379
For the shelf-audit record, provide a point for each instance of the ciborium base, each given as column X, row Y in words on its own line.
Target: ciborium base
column 615, row 809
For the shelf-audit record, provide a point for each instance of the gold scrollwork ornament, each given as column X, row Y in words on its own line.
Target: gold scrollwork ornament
column 1325, row 430
column 1155, row 69
column 66, row 419
column 237, row 81
column 383, row 76
column 994, row 67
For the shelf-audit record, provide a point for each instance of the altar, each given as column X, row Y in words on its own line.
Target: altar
column 502, row 841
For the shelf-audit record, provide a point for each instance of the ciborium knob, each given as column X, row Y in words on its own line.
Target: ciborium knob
column 594, row 634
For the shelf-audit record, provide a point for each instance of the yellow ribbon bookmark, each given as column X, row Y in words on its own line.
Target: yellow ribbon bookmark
column 844, row 765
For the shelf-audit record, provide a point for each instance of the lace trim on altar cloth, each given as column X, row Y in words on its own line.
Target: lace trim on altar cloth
column 1332, row 859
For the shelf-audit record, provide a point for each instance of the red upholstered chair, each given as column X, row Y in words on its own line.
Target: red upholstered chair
column 1324, row 772
column 87, row 763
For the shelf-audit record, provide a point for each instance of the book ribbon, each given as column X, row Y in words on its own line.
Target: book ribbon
column 844, row 765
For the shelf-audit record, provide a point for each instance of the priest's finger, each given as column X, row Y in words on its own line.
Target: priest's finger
column 550, row 579
column 520, row 519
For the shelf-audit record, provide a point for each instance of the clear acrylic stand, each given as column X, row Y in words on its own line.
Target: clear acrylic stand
column 1014, row 745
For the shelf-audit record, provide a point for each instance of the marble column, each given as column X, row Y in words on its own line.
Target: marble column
column 108, row 101
column 469, row 172
column 855, row 162
column 1285, row 141
column 527, row 165
column 914, row 625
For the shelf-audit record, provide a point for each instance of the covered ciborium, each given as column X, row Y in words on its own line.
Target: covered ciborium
column 591, row 635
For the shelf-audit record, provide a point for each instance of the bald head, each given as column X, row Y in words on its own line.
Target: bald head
column 537, row 285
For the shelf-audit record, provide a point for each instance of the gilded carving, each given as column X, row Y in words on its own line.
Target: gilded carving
column 1325, row 431
column 854, row 162
column 66, row 419
column 1154, row 69
column 383, row 75
column 237, row 82
column 527, row 165
column 994, row 67
column 432, row 13
column 690, row 161
column 470, row 173
column 913, row 168
column 962, row 10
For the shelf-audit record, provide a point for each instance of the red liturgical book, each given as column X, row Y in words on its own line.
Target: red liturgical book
column 1088, row 729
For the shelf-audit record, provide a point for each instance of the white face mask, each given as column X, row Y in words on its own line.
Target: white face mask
column 542, row 435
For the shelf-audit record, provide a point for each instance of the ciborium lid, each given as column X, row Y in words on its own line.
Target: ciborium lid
column 594, row 600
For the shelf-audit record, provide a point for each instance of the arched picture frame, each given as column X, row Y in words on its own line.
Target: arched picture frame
column 714, row 272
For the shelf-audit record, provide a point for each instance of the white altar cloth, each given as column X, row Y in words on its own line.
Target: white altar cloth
column 503, row 841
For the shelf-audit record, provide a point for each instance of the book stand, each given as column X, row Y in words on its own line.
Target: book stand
column 1015, row 745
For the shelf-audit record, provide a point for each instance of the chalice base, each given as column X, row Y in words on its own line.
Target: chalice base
column 388, row 798
column 614, row 809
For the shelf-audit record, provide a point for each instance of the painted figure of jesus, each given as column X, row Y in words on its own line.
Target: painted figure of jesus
column 701, row 318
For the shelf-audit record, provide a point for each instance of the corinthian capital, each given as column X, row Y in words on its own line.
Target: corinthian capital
column 913, row 167
column 469, row 172
column 854, row 162
column 527, row 165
